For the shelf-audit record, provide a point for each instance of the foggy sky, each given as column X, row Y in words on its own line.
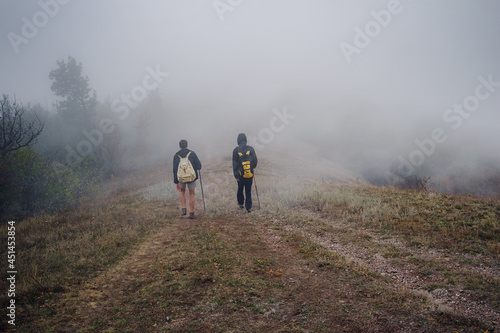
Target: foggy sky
column 232, row 67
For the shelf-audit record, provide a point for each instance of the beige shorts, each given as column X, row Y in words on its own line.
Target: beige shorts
column 190, row 186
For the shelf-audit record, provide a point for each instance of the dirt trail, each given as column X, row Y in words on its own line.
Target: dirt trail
column 451, row 300
column 305, row 297
column 115, row 287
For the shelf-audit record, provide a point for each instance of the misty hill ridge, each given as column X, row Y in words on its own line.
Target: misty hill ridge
column 291, row 158
column 322, row 254
column 305, row 162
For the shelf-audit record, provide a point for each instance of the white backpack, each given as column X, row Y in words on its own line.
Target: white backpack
column 185, row 172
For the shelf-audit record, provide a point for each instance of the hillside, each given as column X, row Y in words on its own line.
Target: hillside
column 324, row 253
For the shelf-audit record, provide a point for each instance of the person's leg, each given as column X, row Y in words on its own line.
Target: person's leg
column 191, row 200
column 183, row 199
column 239, row 194
column 191, row 187
column 248, row 193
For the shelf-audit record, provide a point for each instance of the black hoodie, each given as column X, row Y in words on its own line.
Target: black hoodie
column 243, row 147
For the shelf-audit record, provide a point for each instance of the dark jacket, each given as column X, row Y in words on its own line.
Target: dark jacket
column 193, row 158
column 243, row 147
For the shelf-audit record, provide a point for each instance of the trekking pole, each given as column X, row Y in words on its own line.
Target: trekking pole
column 202, row 195
column 256, row 190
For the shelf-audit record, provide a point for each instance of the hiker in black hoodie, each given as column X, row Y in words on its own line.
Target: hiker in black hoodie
column 195, row 162
column 244, row 162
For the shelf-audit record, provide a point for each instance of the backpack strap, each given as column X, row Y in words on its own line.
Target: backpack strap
column 242, row 152
column 186, row 155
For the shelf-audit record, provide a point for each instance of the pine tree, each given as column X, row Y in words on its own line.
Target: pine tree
column 78, row 101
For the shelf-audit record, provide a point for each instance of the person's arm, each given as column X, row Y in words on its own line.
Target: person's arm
column 176, row 166
column 236, row 166
column 255, row 159
column 195, row 161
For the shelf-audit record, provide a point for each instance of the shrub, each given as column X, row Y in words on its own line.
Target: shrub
column 414, row 182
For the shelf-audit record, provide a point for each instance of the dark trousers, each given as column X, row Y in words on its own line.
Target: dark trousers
column 246, row 184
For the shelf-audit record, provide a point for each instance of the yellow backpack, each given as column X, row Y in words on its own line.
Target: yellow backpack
column 245, row 158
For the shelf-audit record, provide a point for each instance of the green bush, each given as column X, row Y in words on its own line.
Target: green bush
column 30, row 184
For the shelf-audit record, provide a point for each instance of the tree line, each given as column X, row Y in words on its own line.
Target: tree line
column 51, row 160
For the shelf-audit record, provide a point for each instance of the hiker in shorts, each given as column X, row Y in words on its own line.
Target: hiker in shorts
column 191, row 184
column 244, row 163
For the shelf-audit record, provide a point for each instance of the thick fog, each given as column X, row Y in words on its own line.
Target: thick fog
column 384, row 88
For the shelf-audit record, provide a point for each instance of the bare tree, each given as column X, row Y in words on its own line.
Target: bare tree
column 16, row 129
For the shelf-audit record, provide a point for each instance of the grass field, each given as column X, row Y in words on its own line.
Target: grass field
column 321, row 255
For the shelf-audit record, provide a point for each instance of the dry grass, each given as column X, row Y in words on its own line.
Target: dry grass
column 56, row 253
column 303, row 263
column 458, row 223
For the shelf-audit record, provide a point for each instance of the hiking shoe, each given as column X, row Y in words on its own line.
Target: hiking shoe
column 241, row 206
column 191, row 215
column 249, row 210
column 183, row 212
